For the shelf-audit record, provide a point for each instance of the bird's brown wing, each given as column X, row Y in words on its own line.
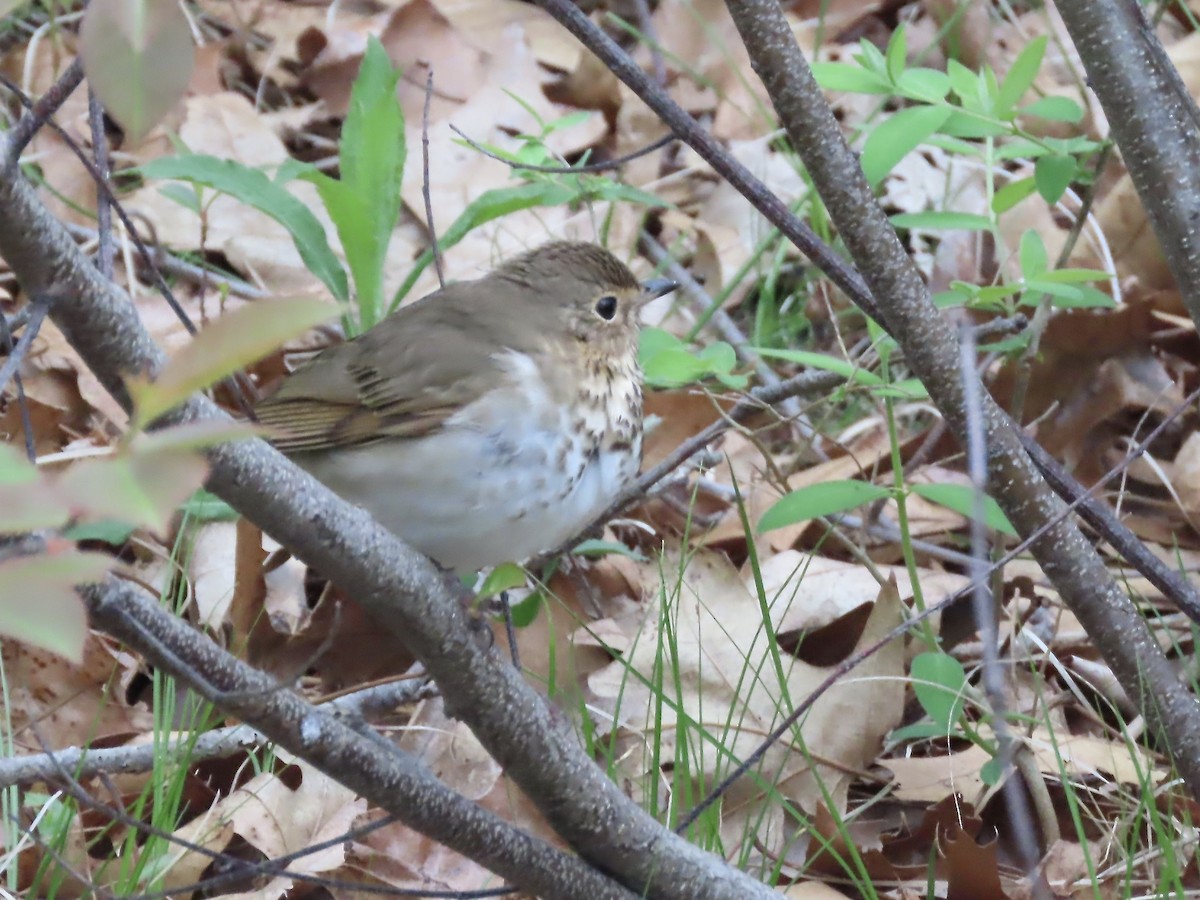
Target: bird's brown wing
column 403, row 378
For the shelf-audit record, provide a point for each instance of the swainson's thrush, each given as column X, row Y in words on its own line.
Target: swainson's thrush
column 490, row 420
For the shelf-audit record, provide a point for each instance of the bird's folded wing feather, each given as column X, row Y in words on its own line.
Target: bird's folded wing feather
column 403, row 378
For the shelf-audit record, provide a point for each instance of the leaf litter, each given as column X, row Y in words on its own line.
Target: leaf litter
column 665, row 654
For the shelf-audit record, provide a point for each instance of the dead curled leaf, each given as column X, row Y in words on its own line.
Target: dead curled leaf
column 724, row 696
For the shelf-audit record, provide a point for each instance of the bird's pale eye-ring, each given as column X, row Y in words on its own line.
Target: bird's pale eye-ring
column 606, row 307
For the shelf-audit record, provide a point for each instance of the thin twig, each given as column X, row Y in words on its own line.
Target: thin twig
column 433, row 236
column 6, row 343
column 586, row 169
column 39, row 307
column 985, row 610
column 39, row 113
column 104, row 249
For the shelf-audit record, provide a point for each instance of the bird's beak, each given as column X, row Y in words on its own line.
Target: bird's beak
column 654, row 288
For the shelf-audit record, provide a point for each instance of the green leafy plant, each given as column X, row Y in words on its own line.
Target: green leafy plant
column 978, row 115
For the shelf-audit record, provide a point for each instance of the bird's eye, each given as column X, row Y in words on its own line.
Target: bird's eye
column 606, row 307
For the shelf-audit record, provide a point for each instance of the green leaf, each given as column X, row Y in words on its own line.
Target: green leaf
column 188, row 198
column 1020, row 76
column 940, row 684
column 1072, row 276
column 897, row 136
column 138, row 56
column 365, row 204
column 822, row 499
column 524, row 612
column 848, row 78
column 108, row 531
column 928, row 85
column 504, row 577
column 1053, row 174
column 1067, row 296
column 942, row 220
column 897, row 54
column 488, row 206
column 963, row 125
column 1011, row 194
column 961, row 499
column 594, row 547
column 204, row 506
column 669, row 362
column 254, row 188
column 1055, row 109
column 229, row 343
column 1032, row 255
column 851, row 371
column 38, row 603
column 964, row 83
column 991, row 771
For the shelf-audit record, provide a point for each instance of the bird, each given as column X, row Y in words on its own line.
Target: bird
column 489, row 421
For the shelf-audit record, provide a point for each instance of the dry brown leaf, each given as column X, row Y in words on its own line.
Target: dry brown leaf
column 715, row 640
column 70, row 704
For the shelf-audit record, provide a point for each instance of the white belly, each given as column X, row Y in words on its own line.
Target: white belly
column 499, row 482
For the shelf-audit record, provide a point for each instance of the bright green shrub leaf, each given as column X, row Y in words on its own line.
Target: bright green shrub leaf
column 1032, row 254
column 1011, row 194
column 849, row 78
column 896, row 137
column 822, row 499
column 1053, row 174
column 1055, row 109
column 1020, row 76
column 961, row 499
column 942, row 220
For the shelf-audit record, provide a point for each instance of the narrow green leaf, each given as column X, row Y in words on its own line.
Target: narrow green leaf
column 504, row 577
column 963, row 125
column 1068, row 296
column 895, row 138
column 595, row 547
column 849, row 78
column 1011, row 194
column 1032, row 255
column 234, row 340
column 823, row 499
column 1055, row 109
column 942, row 220
column 1020, row 76
column 843, row 367
column 897, row 54
column 1072, row 276
column 961, row 499
column 483, row 209
column 964, row 83
column 1053, row 174
column 371, row 155
column 928, row 85
column 254, row 188
column 939, row 682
